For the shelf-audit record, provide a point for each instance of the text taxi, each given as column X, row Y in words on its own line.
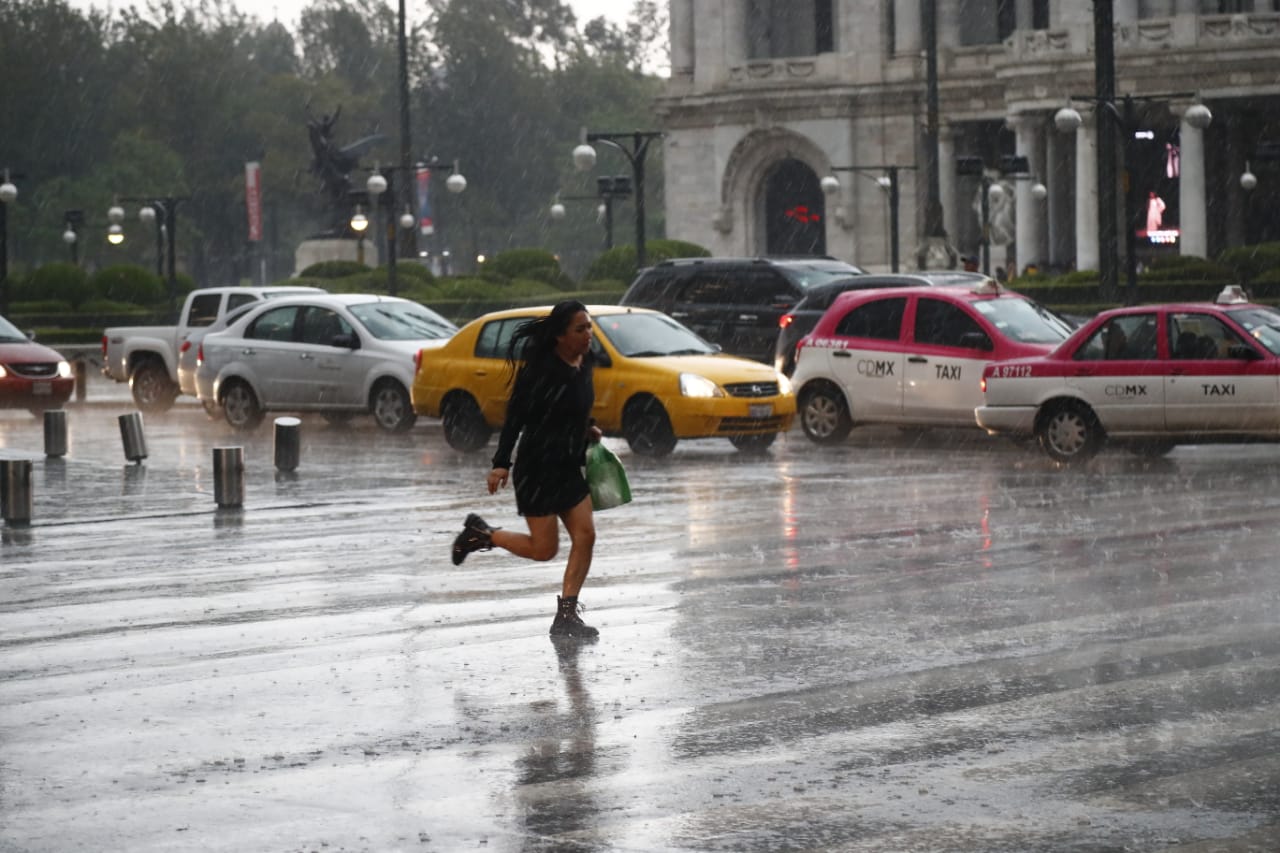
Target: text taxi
column 1150, row 377
column 912, row 355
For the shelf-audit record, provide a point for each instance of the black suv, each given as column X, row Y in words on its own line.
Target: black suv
column 801, row 319
column 733, row 302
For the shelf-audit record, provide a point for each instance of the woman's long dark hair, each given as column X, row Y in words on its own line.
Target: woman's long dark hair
column 536, row 339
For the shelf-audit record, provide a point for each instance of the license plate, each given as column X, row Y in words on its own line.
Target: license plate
column 760, row 410
column 41, row 389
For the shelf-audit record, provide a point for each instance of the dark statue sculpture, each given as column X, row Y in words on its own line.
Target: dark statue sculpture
column 334, row 165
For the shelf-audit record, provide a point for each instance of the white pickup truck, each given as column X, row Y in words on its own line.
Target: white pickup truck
column 147, row 357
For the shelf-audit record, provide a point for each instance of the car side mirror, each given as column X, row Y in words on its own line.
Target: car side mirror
column 976, row 340
column 602, row 358
column 345, row 340
column 1242, row 352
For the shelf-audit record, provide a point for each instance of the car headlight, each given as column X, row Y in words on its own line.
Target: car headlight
column 693, row 385
column 3, row 372
column 64, row 369
column 784, row 384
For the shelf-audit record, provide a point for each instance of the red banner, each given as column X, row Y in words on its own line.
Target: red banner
column 253, row 199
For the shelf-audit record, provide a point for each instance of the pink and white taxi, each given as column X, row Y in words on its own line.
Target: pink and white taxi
column 912, row 355
column 1148, row 377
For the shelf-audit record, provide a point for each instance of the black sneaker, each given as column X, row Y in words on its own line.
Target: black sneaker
column 475, row 536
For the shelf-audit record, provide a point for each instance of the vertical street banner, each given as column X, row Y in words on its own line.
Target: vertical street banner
column 253, row 199
column 426, row 225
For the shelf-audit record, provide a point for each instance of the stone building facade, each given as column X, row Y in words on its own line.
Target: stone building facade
column 768, row 97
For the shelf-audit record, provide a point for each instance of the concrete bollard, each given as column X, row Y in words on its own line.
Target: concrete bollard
column 131, row 435
column 228, row 476
column 15, row 491
column 55, row 433
column 288, row 446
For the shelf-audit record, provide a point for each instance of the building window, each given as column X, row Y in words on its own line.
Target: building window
column 1235, row 7
column 987, row 21
column 781, row 28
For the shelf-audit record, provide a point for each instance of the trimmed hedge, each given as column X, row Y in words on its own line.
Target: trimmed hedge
column 129, row 283
column 56, row 282
column 333, row 269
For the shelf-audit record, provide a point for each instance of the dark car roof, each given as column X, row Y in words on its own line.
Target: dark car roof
column 816, row 261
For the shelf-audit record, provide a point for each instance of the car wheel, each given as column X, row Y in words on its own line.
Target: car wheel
column 1070, row 433
column 464, row 426
column 152, row 389
column 753, row 443
column 392, row 409
column 647, row 428
column 240, row 406
column 824, row 415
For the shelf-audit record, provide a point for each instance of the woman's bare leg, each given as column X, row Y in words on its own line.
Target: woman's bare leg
column 581, row 524
column 540, row 543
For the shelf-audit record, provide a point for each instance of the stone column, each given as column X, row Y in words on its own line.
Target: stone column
column 947, row 180
column 1193, row 220
column 1028, row 210
column 1087, row 252
column 735, row 32
column 1057, row 205
column 906, row 28
column 682, row 39
column 1186, row 7
column 1126, row 11
column 1023, row 15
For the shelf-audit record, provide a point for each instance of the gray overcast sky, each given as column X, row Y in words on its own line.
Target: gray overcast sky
column 289, row 10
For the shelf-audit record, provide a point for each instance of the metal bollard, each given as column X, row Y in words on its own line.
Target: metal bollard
column 228, row 476
column 55, row 433
column 288, row 449
column 135, row 443
column 81, row 371
column 15, row 491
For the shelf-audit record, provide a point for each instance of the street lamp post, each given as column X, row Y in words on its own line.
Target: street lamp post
column 584, row 158
column 1015, row 166
column 163, row 210
column 608, row 188
column 1124, row 119
column 381, row 186
column 887, row 182
column 74, row 220
column 8, row 194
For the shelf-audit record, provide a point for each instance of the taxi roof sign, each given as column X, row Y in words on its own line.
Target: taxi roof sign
column 1232, row 294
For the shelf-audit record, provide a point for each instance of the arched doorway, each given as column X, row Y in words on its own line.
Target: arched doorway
column 794, row 212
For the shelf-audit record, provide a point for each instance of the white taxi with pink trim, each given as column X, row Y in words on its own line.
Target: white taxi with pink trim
column 912, row 355
column 1148, row 377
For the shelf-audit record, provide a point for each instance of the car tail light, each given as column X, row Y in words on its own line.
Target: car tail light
column 786, row 320
column 104, row 346
column 186, row 345
column 982, row 384
column 200, row 354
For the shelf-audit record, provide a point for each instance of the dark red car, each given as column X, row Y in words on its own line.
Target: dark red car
column 32, row 376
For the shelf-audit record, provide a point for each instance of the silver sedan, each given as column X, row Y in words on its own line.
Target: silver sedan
column 341, row 355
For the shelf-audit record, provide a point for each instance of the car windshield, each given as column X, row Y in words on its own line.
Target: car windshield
column 810, row 275
column 402, row 321
column 1023, row 320
column 9, row 333
column 648, row 335
column 1261, row 322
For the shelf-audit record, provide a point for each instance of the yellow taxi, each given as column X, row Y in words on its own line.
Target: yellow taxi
column 656, row 382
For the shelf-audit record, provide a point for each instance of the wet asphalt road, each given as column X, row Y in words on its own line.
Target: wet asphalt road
column 912, row 642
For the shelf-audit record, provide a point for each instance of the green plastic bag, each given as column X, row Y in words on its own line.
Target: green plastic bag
column 607, row 478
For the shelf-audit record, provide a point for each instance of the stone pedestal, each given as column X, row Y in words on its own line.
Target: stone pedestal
column 317, row 249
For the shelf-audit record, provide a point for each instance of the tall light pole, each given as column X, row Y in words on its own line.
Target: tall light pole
column 407, row 244
column 1121, row 119
column 584, row 158
column 887, row 182
column 164, row 211
column 934, row 250
column 74, row 220
column 8, row 195
column 608, row 188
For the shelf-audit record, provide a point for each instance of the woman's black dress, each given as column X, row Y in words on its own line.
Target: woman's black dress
column 549, row 411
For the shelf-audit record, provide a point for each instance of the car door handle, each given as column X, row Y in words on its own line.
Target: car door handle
column 748, row 316
column 679, row 313
column 482, row 373
column 841, row 353
column 918, row 359
column 305, row 356
column 248, row 351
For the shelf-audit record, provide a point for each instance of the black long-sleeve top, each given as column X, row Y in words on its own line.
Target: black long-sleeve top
column 549, row 411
